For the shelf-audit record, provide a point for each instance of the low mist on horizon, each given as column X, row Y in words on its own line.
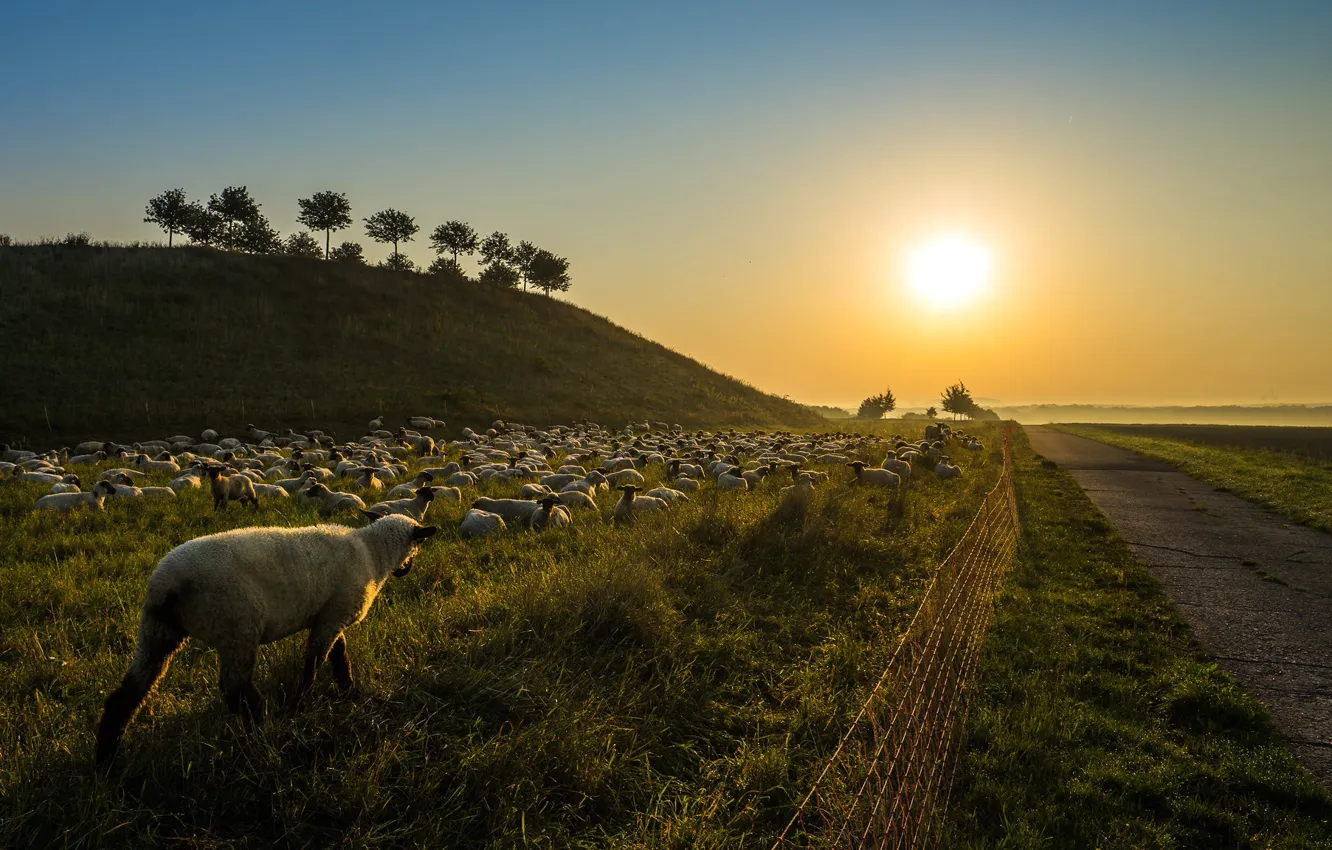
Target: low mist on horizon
column 1110, row 204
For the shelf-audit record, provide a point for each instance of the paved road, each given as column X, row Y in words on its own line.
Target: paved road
column 1256, row 590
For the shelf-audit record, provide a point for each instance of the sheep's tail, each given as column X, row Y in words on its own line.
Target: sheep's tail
column 160, row 635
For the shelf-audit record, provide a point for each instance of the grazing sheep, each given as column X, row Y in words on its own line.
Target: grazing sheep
column 230, row 488
column 877, row 477
column 901, row 467
column 240, row 589
column 631, row 504
column 625, row 476
column 534, row 491
column 376, row 423
column 478, row 523
column 64, row 502
column 271, row 491
column 406, row 491
column 142, row 462
column 414, row 507
column 551, row 514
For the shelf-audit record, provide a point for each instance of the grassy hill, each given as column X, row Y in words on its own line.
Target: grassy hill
column 121, row 342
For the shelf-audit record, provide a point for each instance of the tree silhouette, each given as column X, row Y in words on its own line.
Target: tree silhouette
column 303, row 245
column 326, row 211
column 348, row 252
column 495, row 248
column 392, row 226
column 456, row 237
column 931, row 412
column 499, row 273
column 236, row 209
column 523, row 255
column 257, row 236
column 957, row 400
column 6, row 240
column 548, row 272
column 447, row 267
column 876, row 406
column 398, row 263
column 169, row 211
column 203, row 226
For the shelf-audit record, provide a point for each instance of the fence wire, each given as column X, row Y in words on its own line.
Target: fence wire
column 887, row 783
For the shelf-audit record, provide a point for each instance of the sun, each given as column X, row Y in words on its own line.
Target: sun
column 949, row 271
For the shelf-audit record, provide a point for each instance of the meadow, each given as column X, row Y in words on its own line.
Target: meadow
column 1286, row 469
column 672, row 684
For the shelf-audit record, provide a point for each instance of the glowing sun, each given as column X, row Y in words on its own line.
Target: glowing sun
column 949, row 271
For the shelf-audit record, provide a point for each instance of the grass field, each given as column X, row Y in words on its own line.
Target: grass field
column 1286, row 469
column 154, row 340
column 673, row 685
column 1099, row 724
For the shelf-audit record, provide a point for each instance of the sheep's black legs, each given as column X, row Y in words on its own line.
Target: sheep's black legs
column 157, row 643
column 316, row 651
column 238, row 690
column 341, row 664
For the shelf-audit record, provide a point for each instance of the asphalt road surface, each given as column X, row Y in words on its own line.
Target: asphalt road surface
column 1255, row 588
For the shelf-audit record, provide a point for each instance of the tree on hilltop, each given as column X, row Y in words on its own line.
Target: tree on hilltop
column 876, row 406
column 237, row 210
column 203, row 226
column 523, row 255
column 392, row 226
column 548, row 272
column 348, row 252
column 499, row 274
column 169, row 211
column 326, row 211
column 495, row 248
column 455, row 237
column 303, row 245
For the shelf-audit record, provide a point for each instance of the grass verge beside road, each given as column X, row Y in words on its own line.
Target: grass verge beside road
column 1099, row 723
column 1296, row 486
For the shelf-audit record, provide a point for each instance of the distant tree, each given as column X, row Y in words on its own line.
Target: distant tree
column 257, row 236
column 523, row 255
column 499, row 274
column 169, row 211
column 931, row 412
column 957, row 400
column 455, row 237
column 6, row 240
column 303, row 245
column 447, row 267
column 876, row 406
column 548, row 272
column 326, row 211
column 392, row 226
column 348, row 252
column 203, row 226
column 495, row 248
column 236, row 209
column 398, row 263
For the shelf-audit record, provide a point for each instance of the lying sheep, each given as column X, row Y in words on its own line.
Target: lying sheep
column 64, row 502
column 478, row 523
column 732, row 479
column 946, row 469
column 240, row 589
column 513, row 510
column 685, row 485
column 230, row 488
column 332, row 501
column 666, row 494
column 550, row 514
column 876, row 477
column 631, row 504
column 576, row 499
column 406, row 491
column 414, row 507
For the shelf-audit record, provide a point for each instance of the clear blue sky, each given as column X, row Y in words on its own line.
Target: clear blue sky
column 730, row 178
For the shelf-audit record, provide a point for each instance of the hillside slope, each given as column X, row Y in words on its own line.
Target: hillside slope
column 119, row 342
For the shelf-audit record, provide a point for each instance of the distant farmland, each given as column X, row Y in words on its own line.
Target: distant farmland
column 1312, row 443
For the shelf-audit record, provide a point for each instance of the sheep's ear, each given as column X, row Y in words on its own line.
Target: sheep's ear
column 369, row 517
column 424, row 532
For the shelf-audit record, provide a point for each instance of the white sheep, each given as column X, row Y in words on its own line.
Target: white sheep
column 631, row 504
column 64, row 502
column 332, row 500
column 240, row 589
column 550, row 514
column 666, row 494
column 577, row 499
column 877, row 477
column 513, row 510
column 685, row 485
column 478, row 523
column 230, row 488
column 414, row 507
column 732, row 479
column 946, row 469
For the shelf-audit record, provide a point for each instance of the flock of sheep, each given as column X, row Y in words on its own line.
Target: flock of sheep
column 237, row 590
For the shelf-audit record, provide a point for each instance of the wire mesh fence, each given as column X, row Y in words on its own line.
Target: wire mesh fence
column 887, row 783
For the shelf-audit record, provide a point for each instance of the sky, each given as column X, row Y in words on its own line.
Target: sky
column 746, row 182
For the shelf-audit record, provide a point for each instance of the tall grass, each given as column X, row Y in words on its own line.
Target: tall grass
column 675, row 684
